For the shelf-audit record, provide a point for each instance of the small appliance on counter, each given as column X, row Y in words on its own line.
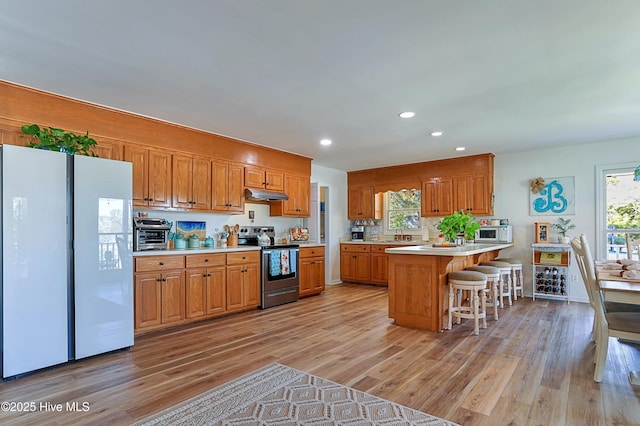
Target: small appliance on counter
column 150, row 233
column 494, row 234
column 357, row 233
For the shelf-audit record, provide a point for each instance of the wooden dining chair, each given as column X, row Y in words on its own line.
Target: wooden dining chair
column 620, row 324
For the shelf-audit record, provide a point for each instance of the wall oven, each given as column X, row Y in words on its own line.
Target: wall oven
column 280, row 267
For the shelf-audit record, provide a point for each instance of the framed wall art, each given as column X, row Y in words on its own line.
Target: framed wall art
column 557, row 197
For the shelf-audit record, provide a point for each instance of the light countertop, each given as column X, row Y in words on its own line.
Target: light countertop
column 386, row 243
column 466, row 250
column 186, row 251
column 308, row 244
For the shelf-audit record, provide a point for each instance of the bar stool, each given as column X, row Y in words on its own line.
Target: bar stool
column 475, row 283
column 493, row 283
column 516, row 275
column 505, row 279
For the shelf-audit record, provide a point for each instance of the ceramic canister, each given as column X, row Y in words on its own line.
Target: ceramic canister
column 495, row 222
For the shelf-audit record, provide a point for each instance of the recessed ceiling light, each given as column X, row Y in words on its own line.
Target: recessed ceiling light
column 326, row 142
column 460, row 148
column 407, row 114
column 436, row 133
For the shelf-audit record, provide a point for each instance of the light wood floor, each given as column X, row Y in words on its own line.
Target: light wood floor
column 534, row 366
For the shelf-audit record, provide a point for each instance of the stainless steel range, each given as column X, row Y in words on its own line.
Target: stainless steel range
column 280, row 267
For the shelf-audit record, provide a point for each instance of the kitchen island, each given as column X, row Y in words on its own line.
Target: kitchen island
column 418, row 288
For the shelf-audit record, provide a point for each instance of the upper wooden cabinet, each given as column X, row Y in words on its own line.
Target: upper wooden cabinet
column 298, row 188
column 437, row 197
column 227, row 190
column 191, row 182
column 258, row 177
column 362, row 202
column 473, row 194
column 112, row 150
column 151, row 176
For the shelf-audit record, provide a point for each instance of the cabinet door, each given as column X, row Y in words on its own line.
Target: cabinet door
column 219, row 185
column 274, row 180
column 159, row 178
column 462, row 199
column 172, row 296
column 139, row 159
column 235, row 191
column 379, row 268
column 437, row 197
column 111, row 150
column 482, row 194
column 182, row 181
column 318, row 274
column 303, row 196
column 196, row 292
column 147, row 300
column 216, row 290
column 289, row 206
column 362, row 267
column 361, row 203
column 235, row 289
column 251, row 284
column 201, row 184
column 254, row 177
column 347, row 267
column 306, row 276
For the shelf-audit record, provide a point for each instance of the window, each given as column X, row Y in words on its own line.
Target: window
column 618, row 212
column 402, row 211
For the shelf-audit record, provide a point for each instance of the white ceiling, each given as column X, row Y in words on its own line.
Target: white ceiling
column 495, row 75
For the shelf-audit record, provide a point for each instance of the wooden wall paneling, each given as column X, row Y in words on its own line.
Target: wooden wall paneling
column 23, row 105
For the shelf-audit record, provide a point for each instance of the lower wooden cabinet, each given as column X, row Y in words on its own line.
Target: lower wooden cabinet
column 355, row 262
column 243, row 280
column 365, row 263
column 311, row 271
column 159, row 298
column 175, row 289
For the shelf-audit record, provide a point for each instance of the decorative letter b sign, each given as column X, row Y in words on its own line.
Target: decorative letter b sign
column 557, row 197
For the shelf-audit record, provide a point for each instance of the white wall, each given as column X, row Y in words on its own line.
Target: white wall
column 513, row 172
column 336, row 214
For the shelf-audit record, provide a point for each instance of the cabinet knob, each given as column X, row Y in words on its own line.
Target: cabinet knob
column 150, row 199
column 208, row 275
column 164, row 279
column 204, row 275
column 161, row 263
column 159, row 280
column 206, row 260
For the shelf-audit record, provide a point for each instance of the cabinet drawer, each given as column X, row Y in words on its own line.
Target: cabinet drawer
column 377, row 248
column 198, row 260
column 159, row 263
column 243, row 257
column 355, row 248
column 311, row 252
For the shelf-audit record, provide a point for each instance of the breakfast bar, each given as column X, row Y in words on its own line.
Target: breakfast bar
column 418, row 292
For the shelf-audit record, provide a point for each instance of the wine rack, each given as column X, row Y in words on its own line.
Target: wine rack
column 550, row 263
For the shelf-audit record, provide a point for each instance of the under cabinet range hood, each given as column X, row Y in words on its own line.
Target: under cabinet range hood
column 253, row 194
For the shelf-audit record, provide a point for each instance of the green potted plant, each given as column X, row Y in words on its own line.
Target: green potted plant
column 458, row 227
column 562, row 227
column 54, row 139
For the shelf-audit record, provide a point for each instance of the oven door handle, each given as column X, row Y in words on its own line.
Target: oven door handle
column 279, row 293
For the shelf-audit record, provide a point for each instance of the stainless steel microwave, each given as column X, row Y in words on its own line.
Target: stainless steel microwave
column 495, row 234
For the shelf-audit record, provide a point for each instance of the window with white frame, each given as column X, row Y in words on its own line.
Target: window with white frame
column 402, row 212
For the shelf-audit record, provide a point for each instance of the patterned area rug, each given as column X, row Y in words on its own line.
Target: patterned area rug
column 280, row 395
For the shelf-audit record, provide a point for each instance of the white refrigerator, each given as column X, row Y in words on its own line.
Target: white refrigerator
column 67, row 280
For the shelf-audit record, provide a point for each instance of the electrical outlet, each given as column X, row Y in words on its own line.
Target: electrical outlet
column 574, row 278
